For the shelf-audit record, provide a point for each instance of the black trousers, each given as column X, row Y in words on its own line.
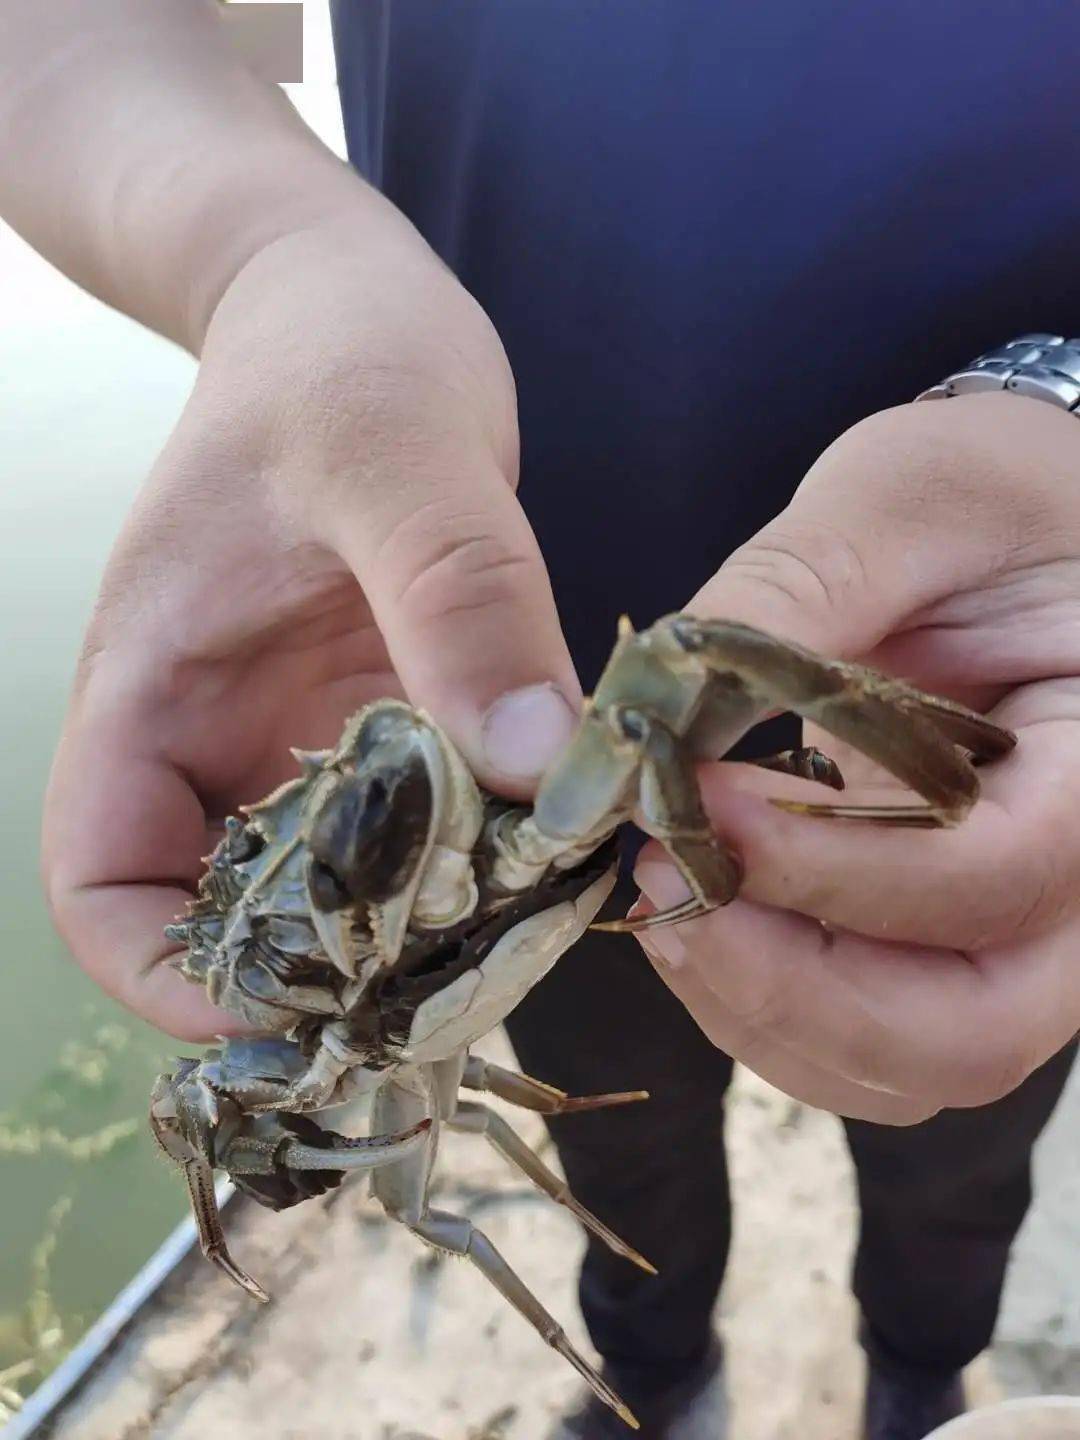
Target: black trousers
column 941, row 1202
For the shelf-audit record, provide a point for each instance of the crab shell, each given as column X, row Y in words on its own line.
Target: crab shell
column 257, row 936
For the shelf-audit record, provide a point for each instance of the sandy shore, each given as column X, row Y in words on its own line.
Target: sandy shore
column 370, row 1337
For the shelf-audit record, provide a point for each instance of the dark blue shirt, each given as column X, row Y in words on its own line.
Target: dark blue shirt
column 713, row 235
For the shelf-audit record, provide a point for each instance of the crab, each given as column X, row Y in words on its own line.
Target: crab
column 377, row 915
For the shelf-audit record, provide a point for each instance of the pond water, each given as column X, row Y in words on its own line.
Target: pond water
column 86, row 400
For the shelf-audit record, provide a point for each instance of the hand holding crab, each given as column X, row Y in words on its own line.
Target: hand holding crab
column 379, row 914
column 332, row 520
column 876, row 971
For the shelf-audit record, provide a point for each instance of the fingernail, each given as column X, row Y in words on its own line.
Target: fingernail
column 525, row 729
column 665, row 887
column 662, row 883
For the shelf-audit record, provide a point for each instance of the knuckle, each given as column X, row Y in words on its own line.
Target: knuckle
column 927, row 452
column 808, row 562
column 913, row 440
column 888, row 467
column 441, row 563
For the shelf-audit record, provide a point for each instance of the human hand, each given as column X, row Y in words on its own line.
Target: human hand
column 885, row 973
column 332, row 520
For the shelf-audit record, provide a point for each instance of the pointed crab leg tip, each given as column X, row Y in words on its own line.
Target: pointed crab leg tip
column 630, row 924
column 614, row 1243
column 240, row 1277
column 575, row 1103
column 922, row 817
column 793, row 807
column 599, row 1386
column 626, row 626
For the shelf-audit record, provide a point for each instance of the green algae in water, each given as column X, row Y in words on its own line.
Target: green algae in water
column 88, row 400
column 81, row 1139
column 39, row 1331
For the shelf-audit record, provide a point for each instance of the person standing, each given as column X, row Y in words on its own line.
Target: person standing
column 680, row 268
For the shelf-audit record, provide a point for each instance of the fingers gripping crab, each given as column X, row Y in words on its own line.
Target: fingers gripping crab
column 377, row 915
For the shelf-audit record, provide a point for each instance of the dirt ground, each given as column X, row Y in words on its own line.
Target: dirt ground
column 370, row 1337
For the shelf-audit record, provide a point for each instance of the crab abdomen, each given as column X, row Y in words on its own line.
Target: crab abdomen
column 477, row 1001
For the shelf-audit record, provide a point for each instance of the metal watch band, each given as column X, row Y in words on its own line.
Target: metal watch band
column 1046, row 367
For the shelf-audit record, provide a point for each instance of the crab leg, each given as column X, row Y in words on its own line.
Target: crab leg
column 200, row 1183
column 672, row 812
column 365, row 1152
column 533, row 1094
column 314, row 1089
column 458, row 1236
column 402, row 1190
column 479, row 1120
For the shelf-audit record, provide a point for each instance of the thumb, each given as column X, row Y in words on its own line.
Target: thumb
column 807, row 583
column 870, row 537
column 461, row 596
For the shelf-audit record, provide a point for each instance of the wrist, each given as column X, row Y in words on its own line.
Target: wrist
column 350, row 298
column 236, row 220
column 140, row 156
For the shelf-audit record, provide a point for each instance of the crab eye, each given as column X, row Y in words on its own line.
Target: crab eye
column 630, row 723
column 369, row 834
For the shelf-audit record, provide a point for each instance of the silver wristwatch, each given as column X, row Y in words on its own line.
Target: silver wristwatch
column 1046, row 367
